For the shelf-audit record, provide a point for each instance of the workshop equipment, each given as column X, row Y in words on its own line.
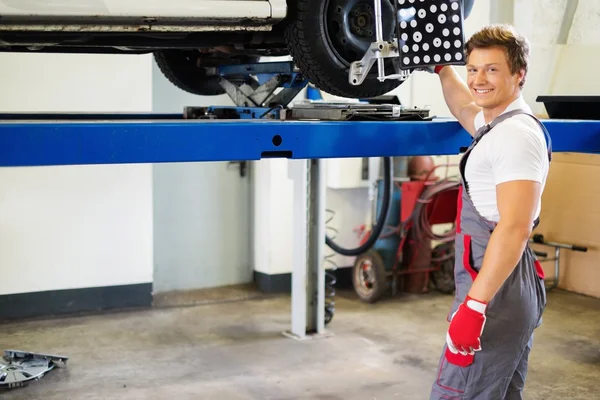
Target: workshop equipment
column 539, row 239
column 416, row 45
column 45, row 139
column 254, row 130
column 18, row 368
column 404, row 249
column 254, row 96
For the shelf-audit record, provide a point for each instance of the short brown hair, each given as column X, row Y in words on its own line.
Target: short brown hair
column 515, row 45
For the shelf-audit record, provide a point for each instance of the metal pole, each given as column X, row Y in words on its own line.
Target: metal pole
column 378, row 22
column 379, row 38
column 298, row 172
column 308, row 273
column 556, row 266
column 315, row 287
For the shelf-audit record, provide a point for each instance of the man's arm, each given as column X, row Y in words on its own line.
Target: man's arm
column 517, row 203
column 458, row 98
column 518, row 156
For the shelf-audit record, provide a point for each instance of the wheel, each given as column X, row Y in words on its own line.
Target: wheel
column 325, row 36
column 186, row 69
column 369, row 277
column 443, row 278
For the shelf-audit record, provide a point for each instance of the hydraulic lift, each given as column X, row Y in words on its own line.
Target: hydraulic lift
column 261, row 125
column 78, row 139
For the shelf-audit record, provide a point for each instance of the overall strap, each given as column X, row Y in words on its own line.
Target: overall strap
column 486, row 128
column 481, row 132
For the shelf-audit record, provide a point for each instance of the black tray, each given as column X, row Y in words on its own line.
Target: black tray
column 571, row 107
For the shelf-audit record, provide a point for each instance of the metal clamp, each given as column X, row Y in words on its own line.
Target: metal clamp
column 378, row 51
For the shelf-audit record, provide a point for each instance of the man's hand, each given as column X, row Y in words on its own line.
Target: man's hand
column 432, row 69
column 464, row 332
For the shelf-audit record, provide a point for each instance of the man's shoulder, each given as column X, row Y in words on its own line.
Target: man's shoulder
column 522, row 126
column 517, row 131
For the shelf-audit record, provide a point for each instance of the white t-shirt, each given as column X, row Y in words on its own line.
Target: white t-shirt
column 515, row 149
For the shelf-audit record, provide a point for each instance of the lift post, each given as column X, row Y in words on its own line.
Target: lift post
column 308, row 272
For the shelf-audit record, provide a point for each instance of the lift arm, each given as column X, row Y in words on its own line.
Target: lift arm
column 109, row 140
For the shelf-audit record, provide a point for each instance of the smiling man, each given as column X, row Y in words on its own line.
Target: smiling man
column 500, row 295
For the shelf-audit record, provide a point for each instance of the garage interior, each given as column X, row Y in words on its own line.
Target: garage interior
column 174, row 279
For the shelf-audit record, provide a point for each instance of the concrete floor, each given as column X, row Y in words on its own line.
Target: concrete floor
column 236, row 350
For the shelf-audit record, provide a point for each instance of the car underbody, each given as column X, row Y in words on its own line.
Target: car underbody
column 264, row 43
column 324, row 37
column 136, row 35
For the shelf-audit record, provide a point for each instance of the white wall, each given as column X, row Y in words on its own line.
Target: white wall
column 75, row 226
column 272, row 228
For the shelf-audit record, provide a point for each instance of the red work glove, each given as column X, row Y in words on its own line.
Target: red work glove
column 433, row 69
column 466, row 327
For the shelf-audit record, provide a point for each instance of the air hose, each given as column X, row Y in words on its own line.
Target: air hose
column 419, row 219
column 380, row 224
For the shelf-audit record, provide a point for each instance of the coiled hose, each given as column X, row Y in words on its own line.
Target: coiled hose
column 380, row 224
column 419, row 219
column 330, row 269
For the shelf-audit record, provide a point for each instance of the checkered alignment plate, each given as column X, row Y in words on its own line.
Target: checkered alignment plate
column 430, row 32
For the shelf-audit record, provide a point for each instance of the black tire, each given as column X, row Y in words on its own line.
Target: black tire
column 369, row 289
column 443, row 278
column 323, row 48
column 182, row 69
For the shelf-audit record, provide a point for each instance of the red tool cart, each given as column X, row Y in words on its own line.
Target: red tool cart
column 411, row 256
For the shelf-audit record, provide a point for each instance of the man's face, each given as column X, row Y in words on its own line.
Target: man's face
column 489, row 78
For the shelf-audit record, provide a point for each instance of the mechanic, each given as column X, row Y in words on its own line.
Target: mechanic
column 500, row 293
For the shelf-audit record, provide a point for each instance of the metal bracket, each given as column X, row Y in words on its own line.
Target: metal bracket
column 256, row 98
column 378, row 51
column 270, row 77
column 242, row 165
column 427, row 34
column 245, row 96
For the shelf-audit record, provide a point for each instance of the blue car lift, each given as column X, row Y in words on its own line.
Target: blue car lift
column 253, row 131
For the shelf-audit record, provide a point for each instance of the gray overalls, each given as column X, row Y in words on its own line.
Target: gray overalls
column 498, row 371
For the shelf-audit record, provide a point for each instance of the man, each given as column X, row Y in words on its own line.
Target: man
column 500, row 295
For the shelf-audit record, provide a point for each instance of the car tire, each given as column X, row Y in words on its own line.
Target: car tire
column 182, row 69
column 323, row 47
